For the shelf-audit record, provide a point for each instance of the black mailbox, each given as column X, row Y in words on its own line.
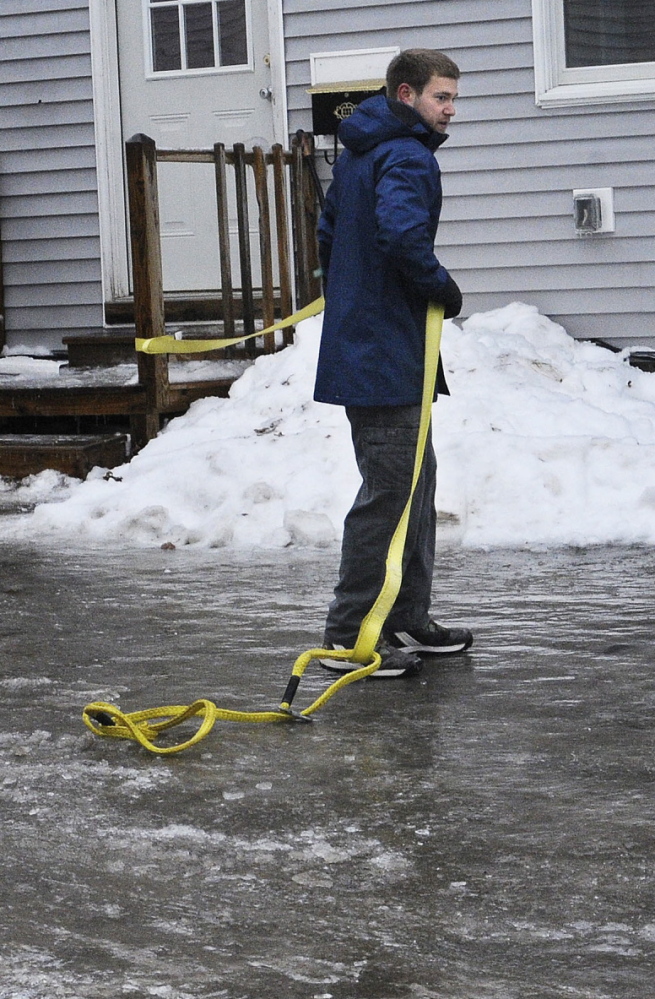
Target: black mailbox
column 332, row 102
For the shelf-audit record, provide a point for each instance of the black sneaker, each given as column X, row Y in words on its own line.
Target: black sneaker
column 395, row 663
column 434, row 639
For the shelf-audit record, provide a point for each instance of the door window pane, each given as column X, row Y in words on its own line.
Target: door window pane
column 184, row 34
column 166, row 53
column 199, row 29
column 232, row 32
column 608, row 32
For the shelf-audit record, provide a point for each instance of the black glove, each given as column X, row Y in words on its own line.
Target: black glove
column 451, row 299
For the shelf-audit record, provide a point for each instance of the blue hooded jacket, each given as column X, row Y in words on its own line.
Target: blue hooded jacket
column 376, row 242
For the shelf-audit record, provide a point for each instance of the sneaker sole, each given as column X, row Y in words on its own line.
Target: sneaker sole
column 334, row 666
column 408, row 645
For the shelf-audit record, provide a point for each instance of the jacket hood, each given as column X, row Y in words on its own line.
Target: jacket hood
column 377, row 120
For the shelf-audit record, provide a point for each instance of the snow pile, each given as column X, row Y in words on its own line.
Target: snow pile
column 543, row 440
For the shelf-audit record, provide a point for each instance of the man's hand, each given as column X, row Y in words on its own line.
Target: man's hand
column 451, row 299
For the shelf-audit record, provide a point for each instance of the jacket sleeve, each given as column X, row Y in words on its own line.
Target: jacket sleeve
column 325, row 231
column 407, row 191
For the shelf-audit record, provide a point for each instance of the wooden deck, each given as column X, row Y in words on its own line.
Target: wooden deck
column 80, row 422
column 91, row 401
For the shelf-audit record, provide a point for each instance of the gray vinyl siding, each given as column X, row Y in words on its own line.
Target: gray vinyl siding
column 48, row 188
column 510, row 167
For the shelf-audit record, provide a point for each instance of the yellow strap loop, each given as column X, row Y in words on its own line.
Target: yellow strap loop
column 145, row 726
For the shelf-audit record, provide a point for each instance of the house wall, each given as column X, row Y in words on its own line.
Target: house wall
column 48, row 191
column 510, row 167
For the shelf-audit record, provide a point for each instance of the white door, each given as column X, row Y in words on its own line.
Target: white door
column 192, row 73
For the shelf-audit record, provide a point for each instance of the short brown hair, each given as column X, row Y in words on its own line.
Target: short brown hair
column 417, row 67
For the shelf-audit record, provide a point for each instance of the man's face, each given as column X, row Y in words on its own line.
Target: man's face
column 436, row 102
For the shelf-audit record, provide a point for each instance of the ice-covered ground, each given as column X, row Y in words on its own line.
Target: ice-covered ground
column 543, row 440
column 481, row 831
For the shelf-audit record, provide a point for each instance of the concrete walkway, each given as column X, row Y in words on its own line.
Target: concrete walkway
column 484, row 830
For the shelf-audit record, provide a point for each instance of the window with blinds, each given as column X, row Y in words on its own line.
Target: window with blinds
column 605, row 32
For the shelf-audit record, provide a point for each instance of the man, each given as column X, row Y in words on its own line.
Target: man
column 376, row 241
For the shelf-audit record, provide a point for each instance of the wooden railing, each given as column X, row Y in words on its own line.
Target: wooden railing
column 291, row 228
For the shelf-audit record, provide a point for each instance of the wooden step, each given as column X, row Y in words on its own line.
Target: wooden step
column 103, row 400
column 188, row 307
column 94, row 400
column 106, row 348
column 72, row 454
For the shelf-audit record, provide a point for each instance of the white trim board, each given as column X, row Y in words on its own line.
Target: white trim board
column 112, row 202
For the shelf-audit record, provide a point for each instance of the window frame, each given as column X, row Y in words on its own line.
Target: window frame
column 558, row 86
column 176, row 74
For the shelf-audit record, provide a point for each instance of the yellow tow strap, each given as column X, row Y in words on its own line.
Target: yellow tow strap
column 145, row 726
column 171, row 345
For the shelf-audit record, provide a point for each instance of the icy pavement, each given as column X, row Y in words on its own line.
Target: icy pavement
column 484, row 831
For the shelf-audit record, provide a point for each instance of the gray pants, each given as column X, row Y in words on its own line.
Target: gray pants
column 385, row 438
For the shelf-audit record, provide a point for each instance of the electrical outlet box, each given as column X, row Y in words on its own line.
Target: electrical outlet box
column 593, row 210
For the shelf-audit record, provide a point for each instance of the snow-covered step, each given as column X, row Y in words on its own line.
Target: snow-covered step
column 72, row 454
